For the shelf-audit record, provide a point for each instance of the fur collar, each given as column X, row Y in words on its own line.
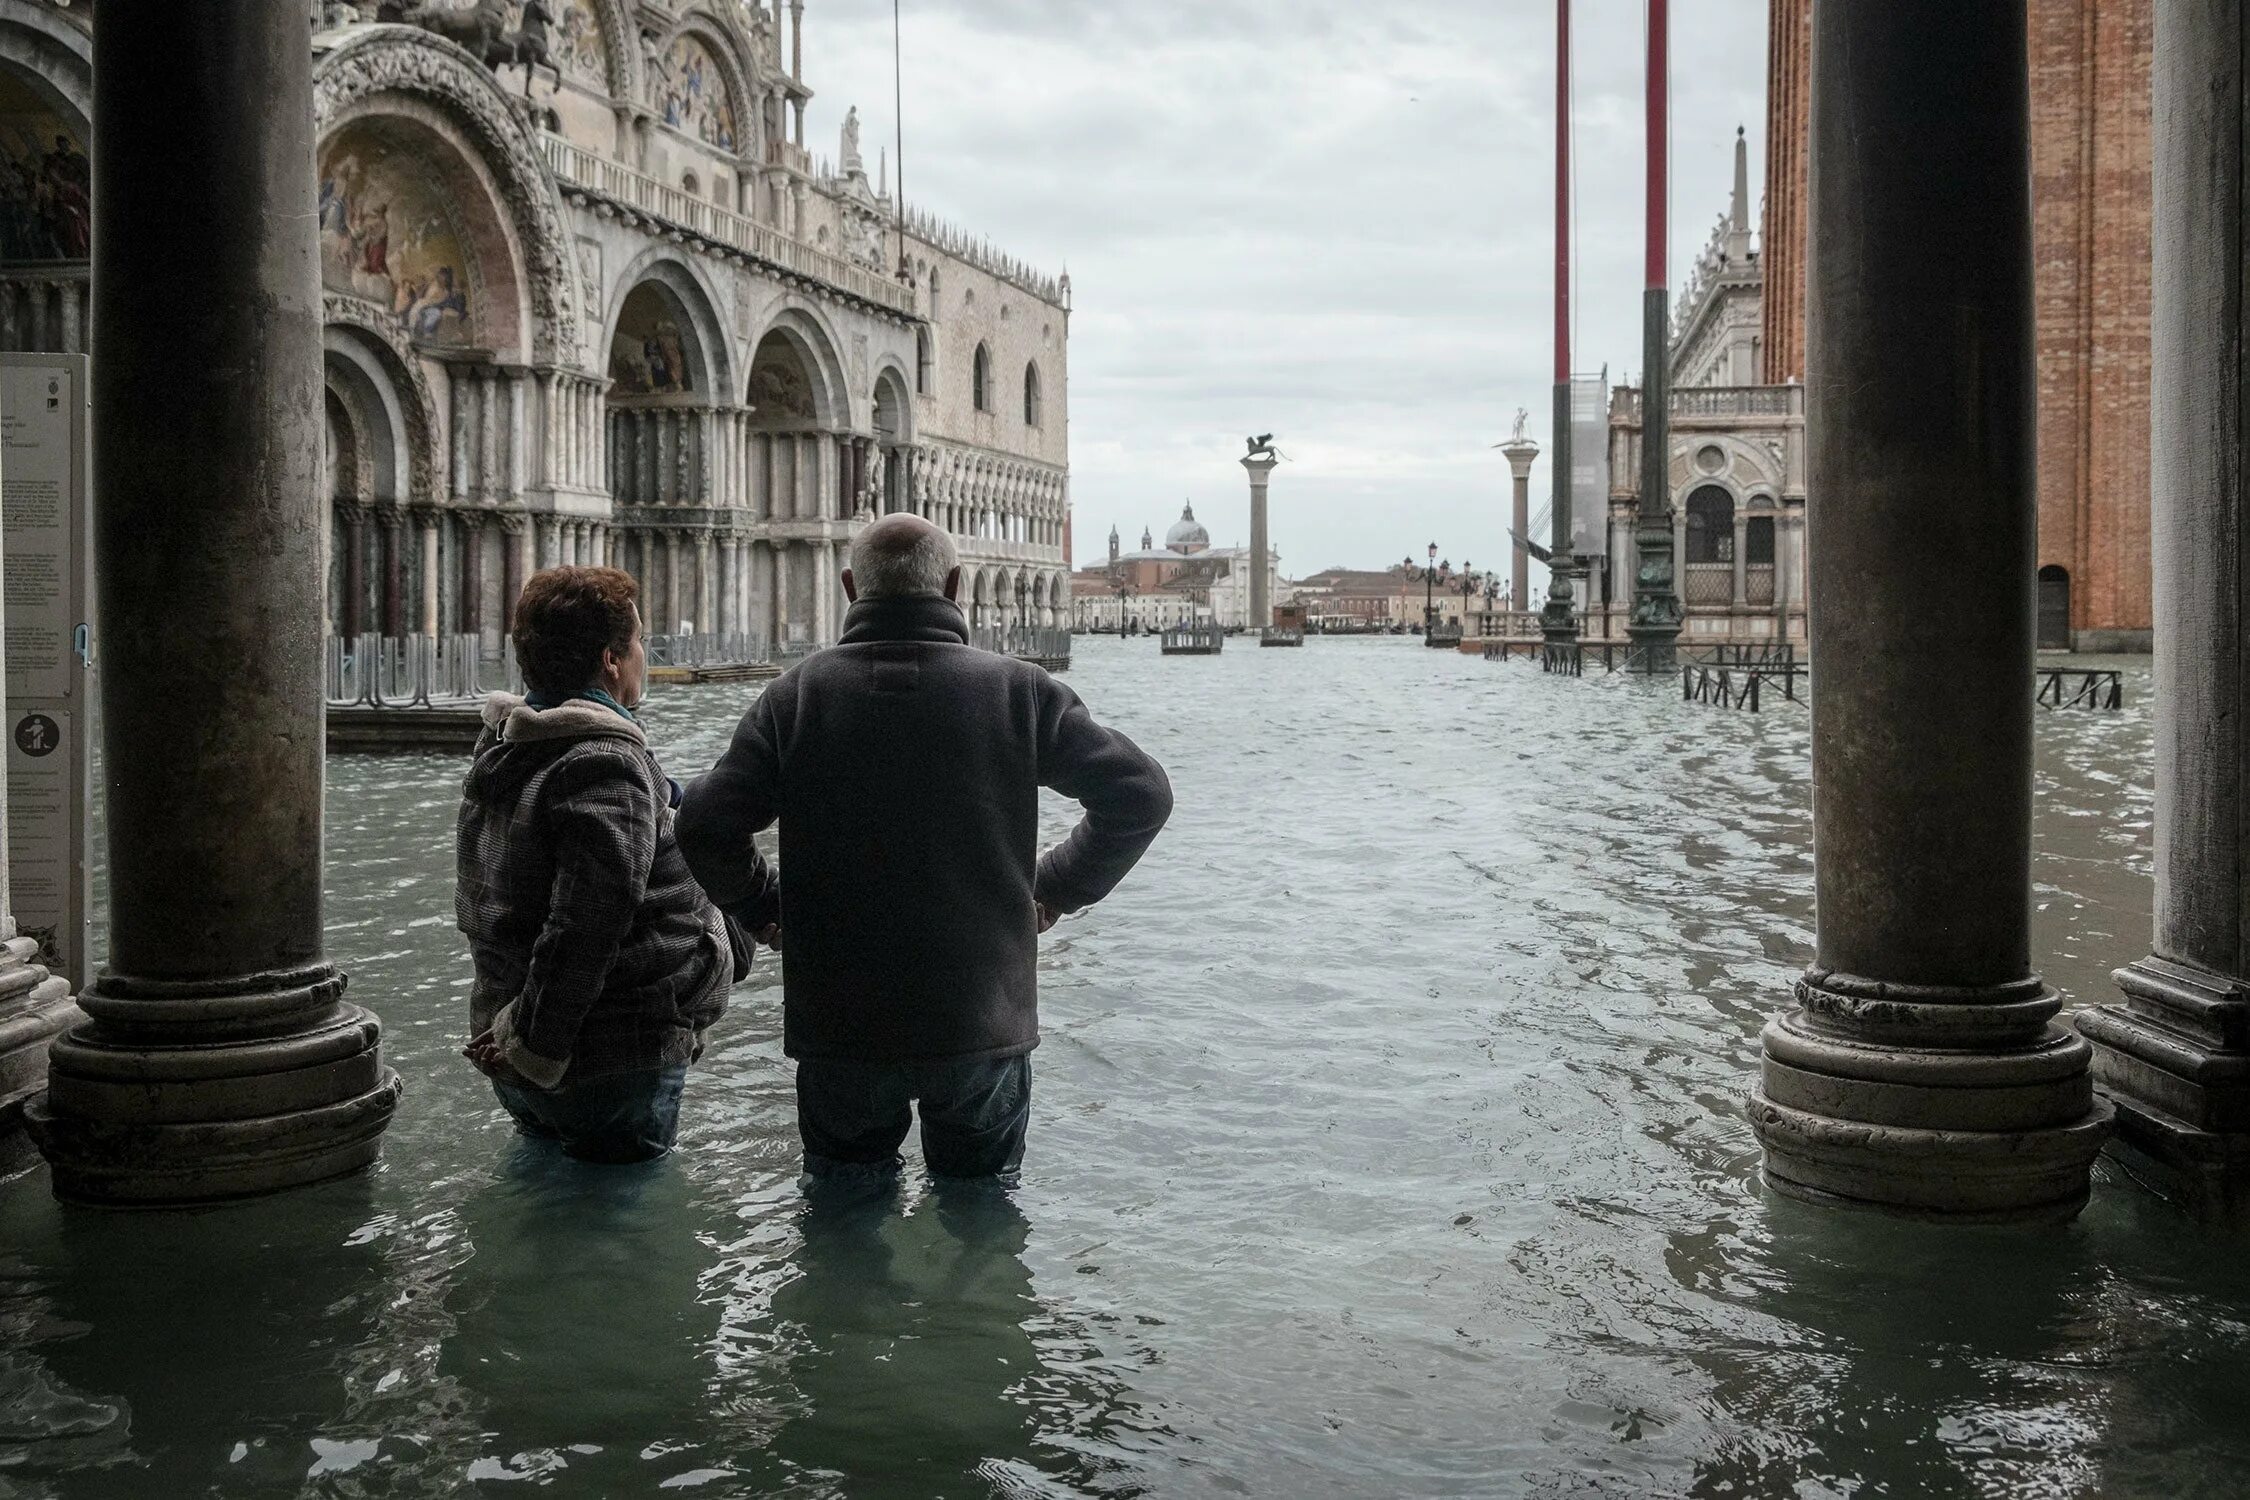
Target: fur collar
column 517, row 722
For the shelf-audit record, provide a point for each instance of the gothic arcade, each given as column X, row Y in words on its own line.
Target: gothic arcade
column 616, row 312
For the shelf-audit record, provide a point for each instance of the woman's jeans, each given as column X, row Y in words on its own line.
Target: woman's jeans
column 853, row 1116
column 613, row 1119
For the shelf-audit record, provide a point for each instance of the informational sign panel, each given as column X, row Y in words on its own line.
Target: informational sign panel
column 46, row 578
column 1589, row 464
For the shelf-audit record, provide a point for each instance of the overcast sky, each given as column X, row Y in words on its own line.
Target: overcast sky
column 1327, row 219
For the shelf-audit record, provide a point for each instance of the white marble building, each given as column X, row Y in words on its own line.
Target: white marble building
column 618, row 312
column 1737, row 462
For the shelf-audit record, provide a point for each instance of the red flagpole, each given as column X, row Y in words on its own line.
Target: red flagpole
column 1562, row 192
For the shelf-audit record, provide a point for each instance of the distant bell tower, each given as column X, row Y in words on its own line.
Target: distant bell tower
column 1148, row 540
column 1113, row 544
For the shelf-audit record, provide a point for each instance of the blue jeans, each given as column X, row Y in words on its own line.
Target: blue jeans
column 615, row 1119
column 853, row 1116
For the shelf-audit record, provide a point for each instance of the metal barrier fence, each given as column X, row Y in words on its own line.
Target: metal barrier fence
column 709, row 649
column 1032, row 642
column 1721, row 685
column 415, row 671
column 2081, row 687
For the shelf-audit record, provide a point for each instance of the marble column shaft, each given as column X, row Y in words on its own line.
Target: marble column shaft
column 1922, row 1070
column 2174, row 1057
column 426, row 536
column 220, row 1058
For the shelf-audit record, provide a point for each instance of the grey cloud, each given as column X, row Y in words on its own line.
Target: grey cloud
column 1265, row 233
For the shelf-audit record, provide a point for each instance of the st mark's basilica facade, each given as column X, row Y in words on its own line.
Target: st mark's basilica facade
column 615, row 311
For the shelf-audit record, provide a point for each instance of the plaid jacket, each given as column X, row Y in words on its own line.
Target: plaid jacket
column 595, row 950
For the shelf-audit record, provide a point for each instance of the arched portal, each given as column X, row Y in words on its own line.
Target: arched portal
column 371, row 429
column 669, row 444
column 2054, row 608
column 412, row 233
column 804, row 467
column 894, row 444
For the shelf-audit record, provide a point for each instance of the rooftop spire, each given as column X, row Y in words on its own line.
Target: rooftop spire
column 1738, row 215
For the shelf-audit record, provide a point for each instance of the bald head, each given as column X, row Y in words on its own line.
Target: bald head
column 902, row 556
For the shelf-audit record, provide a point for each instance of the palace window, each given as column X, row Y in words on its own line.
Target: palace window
column 925, row 357
column 980, row 379
column 1757, row 542
column 1031, row 395
column 1710, row 526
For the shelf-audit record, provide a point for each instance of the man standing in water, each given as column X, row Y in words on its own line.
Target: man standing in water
column 904, row 766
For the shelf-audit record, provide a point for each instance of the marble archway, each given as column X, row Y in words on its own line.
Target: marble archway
column 672, row 443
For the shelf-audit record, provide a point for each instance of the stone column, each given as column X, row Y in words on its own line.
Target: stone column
column 394, row 571
column 426, row 536
column 2175, row 1056
column 472, row 574
column 515, row 548
column 730, row 585
column 1520, row 453
column 1261, row 607
column 1922, row 1069
column 461, row 408
column 1741, row 559
column 220, row 1058
column 704, row 564
column 675, row 593
column 491, row 479
column 780, row 599
column 353, row 616
column 823, row 585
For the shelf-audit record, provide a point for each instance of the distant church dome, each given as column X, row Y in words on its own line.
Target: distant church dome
column 1187, row 534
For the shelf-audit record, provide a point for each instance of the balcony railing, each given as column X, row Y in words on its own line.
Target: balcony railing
column 1717, row 401
column 621, row 184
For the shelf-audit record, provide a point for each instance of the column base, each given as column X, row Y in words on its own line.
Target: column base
column 1969, row 1106
column 1655, row 650
column 35, row 1008
column 178, row 1094
column 2174, row 1060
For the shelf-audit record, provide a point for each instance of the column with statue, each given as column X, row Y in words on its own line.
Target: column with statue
column 1260, row 464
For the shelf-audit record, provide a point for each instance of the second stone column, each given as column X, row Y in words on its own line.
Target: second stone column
column 1922, row 1069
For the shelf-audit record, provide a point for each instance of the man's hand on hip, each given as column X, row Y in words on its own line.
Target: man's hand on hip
column 1048, row 916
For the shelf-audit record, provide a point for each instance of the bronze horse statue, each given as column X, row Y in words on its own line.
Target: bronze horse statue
column 482, row 31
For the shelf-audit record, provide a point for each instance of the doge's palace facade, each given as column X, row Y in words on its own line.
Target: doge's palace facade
column 615, row 311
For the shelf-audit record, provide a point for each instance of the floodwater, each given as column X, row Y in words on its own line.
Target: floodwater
column 1387, row 1142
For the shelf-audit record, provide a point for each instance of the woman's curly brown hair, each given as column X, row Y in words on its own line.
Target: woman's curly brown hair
column 565, row 619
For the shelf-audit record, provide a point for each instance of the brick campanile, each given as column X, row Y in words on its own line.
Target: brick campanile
column 1782, row 232
column 2090, row 243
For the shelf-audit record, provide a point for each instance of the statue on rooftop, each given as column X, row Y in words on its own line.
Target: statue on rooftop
column 849, row 161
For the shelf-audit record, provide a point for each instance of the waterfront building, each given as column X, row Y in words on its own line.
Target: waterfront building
column 1184, row 580
column 617, row 312
column 2091, row 223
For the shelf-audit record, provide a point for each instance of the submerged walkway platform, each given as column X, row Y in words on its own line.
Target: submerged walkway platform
column 362, row 727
